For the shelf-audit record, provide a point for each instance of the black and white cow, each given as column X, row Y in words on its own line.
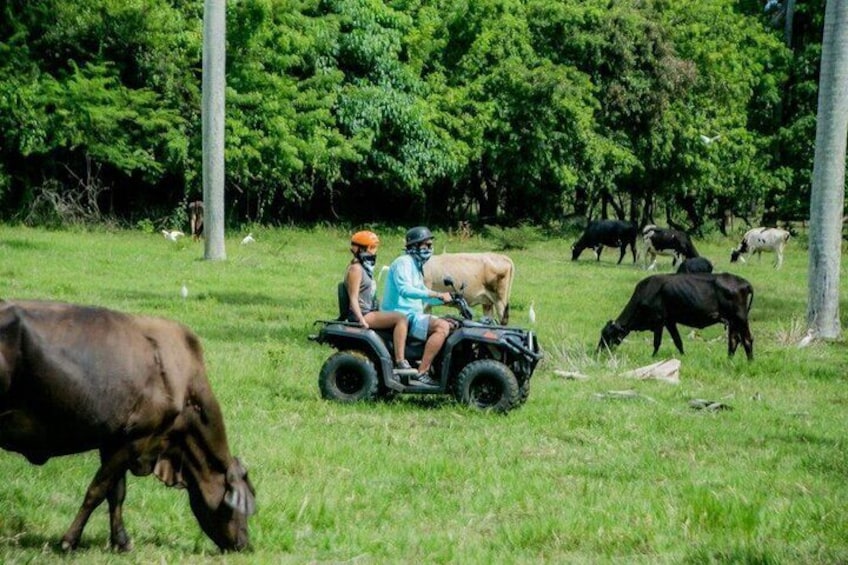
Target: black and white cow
column 694, row 300
column 664, row 241
column 757, row 240
column 609, row 233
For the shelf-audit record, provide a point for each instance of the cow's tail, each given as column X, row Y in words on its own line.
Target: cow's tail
column 505, row 317
column 750, row 298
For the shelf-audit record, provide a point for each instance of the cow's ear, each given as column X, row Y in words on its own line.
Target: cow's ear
column 169, row 473
column 240, row 495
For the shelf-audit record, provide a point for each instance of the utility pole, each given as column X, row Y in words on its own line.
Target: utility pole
column 212, row 112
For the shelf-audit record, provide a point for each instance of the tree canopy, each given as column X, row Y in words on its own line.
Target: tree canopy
column 499, row 111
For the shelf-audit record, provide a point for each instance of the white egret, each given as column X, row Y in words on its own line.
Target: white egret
column 248, row 239
column 807, row 339
column 184, row 291
column 531, row 313
column 172, row 235
column 709, row 140
column 383, row 269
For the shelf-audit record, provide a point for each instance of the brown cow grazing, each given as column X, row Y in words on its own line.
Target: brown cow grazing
column 76, row 378
column 487, row 278
column 195, row 218
column 695, row 300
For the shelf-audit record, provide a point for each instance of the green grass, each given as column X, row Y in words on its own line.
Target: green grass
column 570, row 477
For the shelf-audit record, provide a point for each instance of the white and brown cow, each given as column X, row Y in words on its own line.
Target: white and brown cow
column 77, row 378
column 487, row 278
column 757, row 240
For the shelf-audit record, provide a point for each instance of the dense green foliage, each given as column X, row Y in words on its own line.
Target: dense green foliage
column 502, row 111
column 576, row 475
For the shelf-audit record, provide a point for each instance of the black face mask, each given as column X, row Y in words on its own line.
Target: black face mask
column 368, row 260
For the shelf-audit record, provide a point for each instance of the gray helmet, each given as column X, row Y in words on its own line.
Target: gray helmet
column 418, row 234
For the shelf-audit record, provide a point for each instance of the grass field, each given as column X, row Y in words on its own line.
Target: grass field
column 573, row 476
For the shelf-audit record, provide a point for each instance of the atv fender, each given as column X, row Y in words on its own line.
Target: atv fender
column 344, row 335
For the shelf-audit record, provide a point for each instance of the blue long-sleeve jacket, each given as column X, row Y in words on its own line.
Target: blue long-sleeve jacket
column 404, row 290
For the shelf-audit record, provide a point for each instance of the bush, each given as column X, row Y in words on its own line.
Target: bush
column 512, row 238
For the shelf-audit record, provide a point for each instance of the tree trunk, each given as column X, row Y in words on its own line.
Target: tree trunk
column 828, row 191
column 789, row 18
column 214, row 82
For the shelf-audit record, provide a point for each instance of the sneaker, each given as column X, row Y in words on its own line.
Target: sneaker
column 424, row 379
column 404, row 368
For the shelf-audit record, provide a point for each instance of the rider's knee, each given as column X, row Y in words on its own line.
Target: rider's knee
column 442, row 327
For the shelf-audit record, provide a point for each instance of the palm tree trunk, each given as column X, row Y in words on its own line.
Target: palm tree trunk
column 828, row 191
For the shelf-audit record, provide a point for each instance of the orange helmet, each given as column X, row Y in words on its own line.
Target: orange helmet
column 365, row 239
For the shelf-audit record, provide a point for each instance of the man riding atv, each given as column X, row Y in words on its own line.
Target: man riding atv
column 405, row 292
column 481, row 364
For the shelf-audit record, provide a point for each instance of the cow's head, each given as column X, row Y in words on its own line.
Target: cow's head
column 734, row 255
column 576, row 249
column 221, row 502
column 611, row 336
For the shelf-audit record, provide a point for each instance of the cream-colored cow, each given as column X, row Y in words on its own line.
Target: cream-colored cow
column 487, row 278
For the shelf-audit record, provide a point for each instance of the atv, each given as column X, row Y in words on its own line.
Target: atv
column 481, row 364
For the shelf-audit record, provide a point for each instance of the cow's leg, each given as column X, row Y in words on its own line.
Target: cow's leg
column 118, row 537
column 748, row 341
column 623, row 253
column 103, row 482
column 501, row 310
column 633, row 251
column 598, row 250
column 732, row 339
column 675, row 336
column 779, row 256
column 657, row 338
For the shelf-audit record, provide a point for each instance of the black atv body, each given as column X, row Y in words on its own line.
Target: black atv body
column 481, row 364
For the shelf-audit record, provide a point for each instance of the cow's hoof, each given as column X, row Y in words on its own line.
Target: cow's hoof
column 121, row 542
column 68, row 545
column 125, row 547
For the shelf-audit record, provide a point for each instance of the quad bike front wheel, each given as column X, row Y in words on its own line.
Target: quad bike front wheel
column 348, row 376
column 489, row 385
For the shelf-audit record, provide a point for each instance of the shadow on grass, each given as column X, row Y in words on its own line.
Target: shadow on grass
column 46, row 545
column 739, row 554
column 22, row 245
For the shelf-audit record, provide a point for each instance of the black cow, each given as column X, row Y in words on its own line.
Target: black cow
column 610, row 233
column 695, row 300
column 663, row 241
column 76, row 378
column 695, row 265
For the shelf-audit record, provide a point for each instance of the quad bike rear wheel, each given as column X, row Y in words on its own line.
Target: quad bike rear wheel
column 348, row 376
column 489, row 385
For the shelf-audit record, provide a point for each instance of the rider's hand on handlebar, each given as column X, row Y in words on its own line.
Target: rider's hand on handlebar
column 445, row 297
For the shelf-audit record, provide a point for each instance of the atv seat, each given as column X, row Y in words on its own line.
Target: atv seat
column 344, row 301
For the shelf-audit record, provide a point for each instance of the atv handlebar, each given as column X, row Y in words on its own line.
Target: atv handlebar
column 458, row 299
